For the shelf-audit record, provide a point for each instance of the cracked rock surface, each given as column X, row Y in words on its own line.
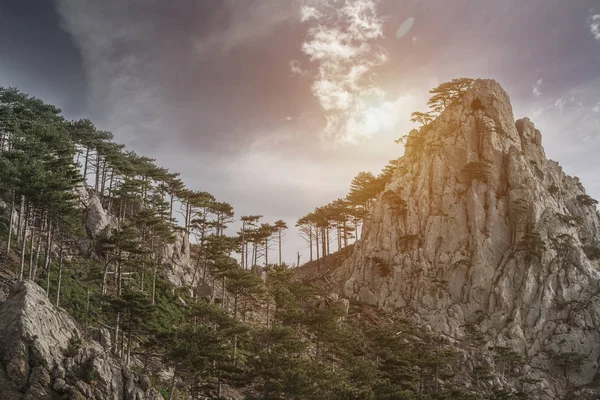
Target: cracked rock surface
column 43, row 358
column 478, row 228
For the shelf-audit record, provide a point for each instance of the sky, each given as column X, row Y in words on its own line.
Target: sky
column 274, row 106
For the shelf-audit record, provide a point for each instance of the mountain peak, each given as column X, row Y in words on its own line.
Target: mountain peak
column 490, row 234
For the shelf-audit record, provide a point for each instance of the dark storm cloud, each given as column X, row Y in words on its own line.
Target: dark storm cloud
column 191, row 72
column 38, row 57
column 206, row 86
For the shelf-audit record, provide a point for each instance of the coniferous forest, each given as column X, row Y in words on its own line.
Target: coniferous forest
column 198, row 340
column 299, row 200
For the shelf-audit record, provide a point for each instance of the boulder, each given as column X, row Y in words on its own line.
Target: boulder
column 43, row 356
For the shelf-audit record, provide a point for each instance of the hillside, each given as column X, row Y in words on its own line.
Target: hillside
column 474, row 276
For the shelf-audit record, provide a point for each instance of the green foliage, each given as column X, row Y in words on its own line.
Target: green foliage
column 308, row 347
column 532, row 245
column 395, row 202
column 570, row 219
column 586, row 200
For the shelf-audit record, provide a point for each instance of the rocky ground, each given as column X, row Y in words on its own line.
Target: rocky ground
column 43, row 355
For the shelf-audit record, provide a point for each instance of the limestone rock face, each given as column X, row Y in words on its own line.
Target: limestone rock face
column 180, row 270
column 96, row 219
column 43, row 358
column 478, row 228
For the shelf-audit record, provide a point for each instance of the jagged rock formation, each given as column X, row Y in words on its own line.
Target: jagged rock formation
column 43, row 358
column 177, row 257
column 478, row 229
column 96, row 220
column 99, row 222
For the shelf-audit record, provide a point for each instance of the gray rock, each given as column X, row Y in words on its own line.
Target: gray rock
column 204, row 290
column 97, row 220
column 59, row 385
column 41, row 354
column 493, row 234
column 366, row 296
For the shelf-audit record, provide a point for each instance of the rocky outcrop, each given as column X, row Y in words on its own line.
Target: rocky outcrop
column 478, row 230
column 177, row 258
column 96, row 220
column 43, row 357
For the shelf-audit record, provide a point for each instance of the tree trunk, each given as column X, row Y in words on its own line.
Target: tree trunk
column 118, row 276
column 110, row 186
column 48, row 282
column 172, row 391
column 116, row 343
column 128, row 357
column 20, row 219
column 59, row 280
column 154, row 284
column 317, row 246
column 279, row 246
column 24, row 244
column 235, row 346
column 87, row 311
column 48, row 254
column 310, row 242
column 103, row 181
column 85, row 168
column 266, row 252
column 98, row 161
column 243, row 242
column 33, row 271
column 10, row 224
column 31, row 252
column 105, row 275
column 223, row 294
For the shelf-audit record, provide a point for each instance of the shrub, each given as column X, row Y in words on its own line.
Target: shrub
column 532, row 245
column 553, row 190
column 569, row 219
column 395, row 202
column 586, row 200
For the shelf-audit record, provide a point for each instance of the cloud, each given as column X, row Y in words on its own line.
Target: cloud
column 594, row 26
column 249, row 21
column 536, row 88
column 596, row 108
column 560, row 103
column 341, row 42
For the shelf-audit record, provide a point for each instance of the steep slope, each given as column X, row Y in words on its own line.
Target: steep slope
column 478, row 230
column 42, row 356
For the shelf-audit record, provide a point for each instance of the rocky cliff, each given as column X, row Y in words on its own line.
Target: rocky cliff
column 42, row 356
column 479, row 230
